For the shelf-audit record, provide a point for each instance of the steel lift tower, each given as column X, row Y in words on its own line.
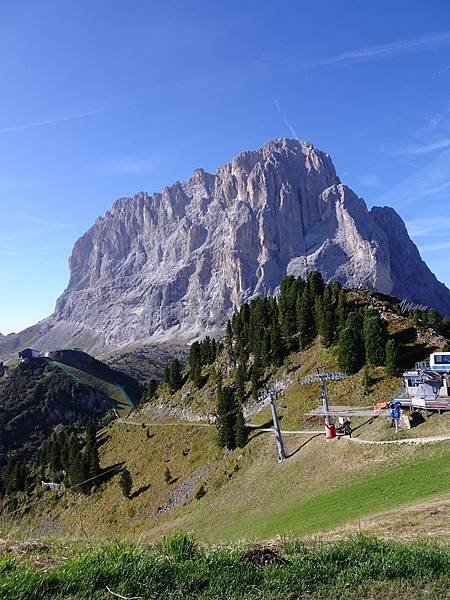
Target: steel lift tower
column 322, row 377
column 276, row 426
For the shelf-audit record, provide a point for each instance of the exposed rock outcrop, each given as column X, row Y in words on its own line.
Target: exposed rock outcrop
column 176, row 264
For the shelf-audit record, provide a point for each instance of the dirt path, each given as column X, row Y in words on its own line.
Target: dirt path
column 418, row 440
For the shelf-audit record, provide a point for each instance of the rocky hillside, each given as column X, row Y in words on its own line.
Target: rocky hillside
column 176, row 264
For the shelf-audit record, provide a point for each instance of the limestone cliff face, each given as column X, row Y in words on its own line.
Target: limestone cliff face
column 177, row 263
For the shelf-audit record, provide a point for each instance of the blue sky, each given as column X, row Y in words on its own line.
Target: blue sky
column 104, row 99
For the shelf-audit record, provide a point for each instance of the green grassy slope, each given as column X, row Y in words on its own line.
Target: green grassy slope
column 368, row 494
column 322, row 485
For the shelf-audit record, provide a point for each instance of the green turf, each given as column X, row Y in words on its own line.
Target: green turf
column 177, row 569
column 373, row 494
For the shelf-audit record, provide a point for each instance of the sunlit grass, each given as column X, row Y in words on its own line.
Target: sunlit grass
column 348, row 569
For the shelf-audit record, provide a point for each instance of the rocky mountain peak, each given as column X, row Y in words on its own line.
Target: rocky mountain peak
column 176, row 264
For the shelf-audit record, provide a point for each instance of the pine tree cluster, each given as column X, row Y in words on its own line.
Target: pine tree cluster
column 263, row 332
column 433, row 318
column 15, row 478
column 201, row 354
column 173, row 376
column 65, row 458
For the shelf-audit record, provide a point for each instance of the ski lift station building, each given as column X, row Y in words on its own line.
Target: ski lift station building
column 428, row 386
column 440, row 361
column 29, row 353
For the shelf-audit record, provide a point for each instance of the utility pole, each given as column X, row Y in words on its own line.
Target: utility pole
column 276, row 426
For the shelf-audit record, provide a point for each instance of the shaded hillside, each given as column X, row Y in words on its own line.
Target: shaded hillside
column 37, row 396
column 72, row 387
column 146, row 362
column 90, row 365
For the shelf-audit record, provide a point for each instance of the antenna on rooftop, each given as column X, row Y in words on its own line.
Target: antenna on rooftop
column 322, row 377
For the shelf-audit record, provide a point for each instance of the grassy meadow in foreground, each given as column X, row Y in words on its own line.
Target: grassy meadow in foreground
column 178, row 568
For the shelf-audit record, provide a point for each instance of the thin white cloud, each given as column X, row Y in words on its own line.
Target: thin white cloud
column 426, row 226
column 29, row 258
column 34, row 124
column 129, row 165
column 420, row 44
column 12, row 237
column 431, row 180
column 424, row 148
column 435, row 247
column 369, row 180
column 28, row 218
column 433, row 136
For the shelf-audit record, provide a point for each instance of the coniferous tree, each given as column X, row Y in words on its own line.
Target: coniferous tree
column 126, row 483
column 226, row 417
column 65, row 449
column 351, row 345
column 375, row 338
column 150, row 390
column 445, row 327
column 241, row 431
column 287, row 305
column 392, row 363
column 9, row 478
column 84, row 485
column 239, row 381
column 316, row 284
column 306, row 319
column 434, row 319
column 256, row 375
column 416, row 317
column 326, row 318
column 256, row 326
column 336, row 288
column 167, row 375
column 276, row 343
column 342, row 310
column 213, row 350
column 175, row 376
column 15, row 477
column 55, row 457
column 229, row 339
column 74, row 469
column 90, row 461
column 265, row 349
